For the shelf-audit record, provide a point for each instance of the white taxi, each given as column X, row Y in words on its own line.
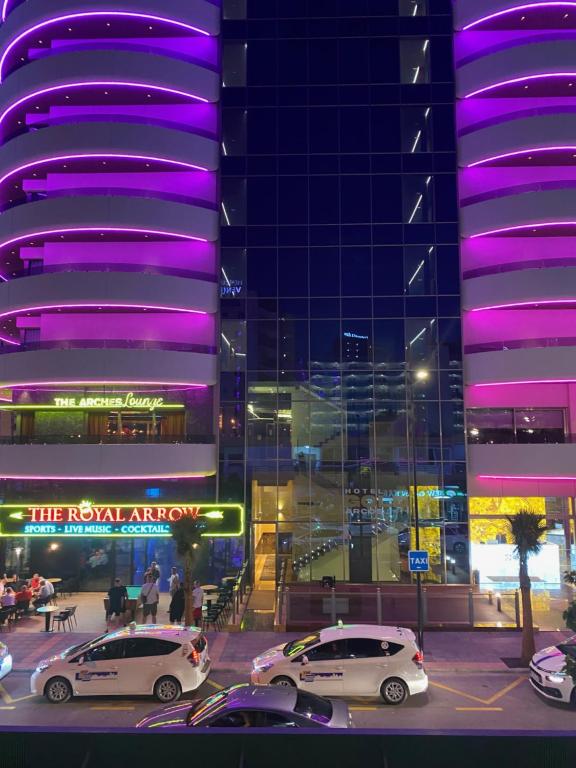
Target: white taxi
column 347, row 660
column 549, row 673
column 163, row 660
column 5, row 661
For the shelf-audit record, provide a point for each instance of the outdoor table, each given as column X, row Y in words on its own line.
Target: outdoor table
column 54, row 581
column 47, row 610
column 209, row 589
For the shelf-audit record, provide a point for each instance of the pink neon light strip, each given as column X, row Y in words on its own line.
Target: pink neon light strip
column 525, row 381
column 134, row 230
column 106, row 305
column 102, row 382
column 514, row 80
column 526, row 7
column 518, row 153
column 105, row 477
column 532, row 303
column 90, row 14
column 98, row 83
column 94, row 156
column 515, row 228
column 526, row 477
column 5, row 9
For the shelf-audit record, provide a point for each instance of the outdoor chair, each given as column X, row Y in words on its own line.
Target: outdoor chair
column 62, row 619
column 72, row 610
column 214, row 617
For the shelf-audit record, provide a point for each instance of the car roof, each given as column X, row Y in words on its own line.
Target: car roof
column 371, row 631
column 245, row 695
column 164, row 631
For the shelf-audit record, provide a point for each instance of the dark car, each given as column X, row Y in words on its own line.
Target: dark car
column 253, row 706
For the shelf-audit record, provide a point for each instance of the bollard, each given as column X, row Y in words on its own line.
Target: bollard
column 490, row 597
column 517, row 608
column 379, row 605
column 333, row 606
column 471, row 608
column 498, row 597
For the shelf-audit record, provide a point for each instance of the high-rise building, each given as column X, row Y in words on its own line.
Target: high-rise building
column 515, row 110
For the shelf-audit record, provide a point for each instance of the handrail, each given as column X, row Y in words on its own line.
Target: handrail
column 202, row 439
column 172, row 346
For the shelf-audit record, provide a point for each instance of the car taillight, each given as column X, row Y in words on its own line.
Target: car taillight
column 418, row 659
column 194, row 657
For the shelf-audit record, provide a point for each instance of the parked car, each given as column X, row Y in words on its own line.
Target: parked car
column 347, row 660
column 548, row 673
column 150, row 659
column 249, row 706
column 5, row 661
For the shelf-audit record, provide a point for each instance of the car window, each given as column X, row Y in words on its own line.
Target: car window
column 275, row 720
column 296, row 646
column 336, row 649
column 137, row 647
column 368, row 648
column 237, row 719
column 310, row 705
column 106, row 652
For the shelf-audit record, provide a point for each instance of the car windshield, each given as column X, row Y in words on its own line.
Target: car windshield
column 310, row 705
column 83, row 646
column 296, row 646
column 203, row 706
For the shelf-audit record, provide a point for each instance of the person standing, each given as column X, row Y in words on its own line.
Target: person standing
column 154, row 571
column 150, row 598
column 197, row 602
column 177, row 605
column 117, row 596
column 173, row 581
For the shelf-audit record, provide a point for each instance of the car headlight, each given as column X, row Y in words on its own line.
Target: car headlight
column 263, row 667
column 42, row 667
column 558, row 677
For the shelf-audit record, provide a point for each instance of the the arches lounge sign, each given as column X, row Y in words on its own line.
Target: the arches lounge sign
column 91, row 519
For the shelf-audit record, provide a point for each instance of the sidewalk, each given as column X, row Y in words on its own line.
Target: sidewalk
column 443, row 651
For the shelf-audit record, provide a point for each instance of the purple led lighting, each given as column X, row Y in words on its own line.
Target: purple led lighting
column 100, row 306
column 105, row 84
column 533, row 303
column 527, row 477
column 5, row 5
column 525, row 7
column 106, row 477
column 518, row 153
column 102, row 383
column 99, row 156
column 90, row 14
column 525, row 381
column 514, row 80
column 516, row 227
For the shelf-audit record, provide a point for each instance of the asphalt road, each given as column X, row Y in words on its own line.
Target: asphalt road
column 455, row 701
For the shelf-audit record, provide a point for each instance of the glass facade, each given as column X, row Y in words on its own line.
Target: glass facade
column 339, row 279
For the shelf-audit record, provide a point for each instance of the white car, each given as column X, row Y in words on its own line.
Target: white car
column 548, row 674
column 136, row 660
column 348, row 660
column 5, row 661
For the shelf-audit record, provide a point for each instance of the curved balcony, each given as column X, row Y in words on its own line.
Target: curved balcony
column 522, row 470
column 541, row 139
column 520, row 366
column 540, row 210
column 546, row 67
column 187, row 17
column 112, row 215
column 513, row 14
column 529, row 287
column 108, row 365
column 79, row 145
column 110, row 76
column 107, row 462
column 109, row 290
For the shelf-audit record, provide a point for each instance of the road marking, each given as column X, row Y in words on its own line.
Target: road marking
column 478, row 709
column 506, row 690
column 363, row 709
column 458, row 693
column 113, row 709
column 215, row 685
column 5, row 696
column 3, row 708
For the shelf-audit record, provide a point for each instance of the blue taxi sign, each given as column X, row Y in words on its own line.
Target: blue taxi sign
column 418, row 561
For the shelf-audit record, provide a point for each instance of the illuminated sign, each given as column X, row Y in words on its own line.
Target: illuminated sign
column 90, row 519
column 127, row 401
column 350, row 335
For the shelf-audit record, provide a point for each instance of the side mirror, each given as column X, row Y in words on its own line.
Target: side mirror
column 304, row 660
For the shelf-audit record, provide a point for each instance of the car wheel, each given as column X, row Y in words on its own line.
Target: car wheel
column 58, row 690
column 284, row 682
column 167, row 689
column 459, row 548
column 394, row 691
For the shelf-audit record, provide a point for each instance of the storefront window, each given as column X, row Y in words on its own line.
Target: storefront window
column 526, row 425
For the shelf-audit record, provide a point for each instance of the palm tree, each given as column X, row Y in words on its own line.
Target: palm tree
column 187, row 533
column 527, row 529
column 570, row 578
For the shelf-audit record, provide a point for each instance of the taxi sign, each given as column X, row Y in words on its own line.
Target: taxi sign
column 418, row 561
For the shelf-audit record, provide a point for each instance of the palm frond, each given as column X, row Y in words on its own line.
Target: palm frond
column 527, row 529
column 187, row 534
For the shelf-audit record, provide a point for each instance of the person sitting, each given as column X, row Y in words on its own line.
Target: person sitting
column 24, row 597
column 8, row 599
column 44, row 594
column 177, row 605
column 35, row 582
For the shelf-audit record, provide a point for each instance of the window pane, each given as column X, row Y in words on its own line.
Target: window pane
column 490, row 426
column 233, row 64
column 412, row 7
column 420, row 269
column 417, row 198
column 416, row 129
column 415, row 60
column 234, row 131
column 540, row 426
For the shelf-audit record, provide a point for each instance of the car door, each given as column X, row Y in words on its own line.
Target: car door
column 97, row 671
column 234, row 719
column 145, row 660
column 367, row 664
column 319, row 670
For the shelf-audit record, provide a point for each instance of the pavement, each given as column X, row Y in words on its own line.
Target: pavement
column 471, row 687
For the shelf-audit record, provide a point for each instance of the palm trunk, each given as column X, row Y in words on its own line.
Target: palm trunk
column 528, row 647
column 188, row 587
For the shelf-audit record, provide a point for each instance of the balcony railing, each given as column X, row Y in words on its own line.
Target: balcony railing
column 144, row 269
column 104, row 439
column 172, row 346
